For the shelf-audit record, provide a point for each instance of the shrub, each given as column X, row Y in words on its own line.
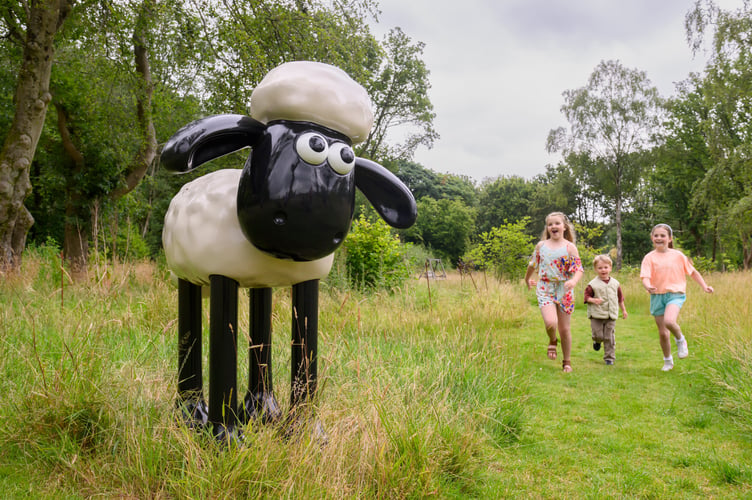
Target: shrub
column 504, row 250
column 374, row 257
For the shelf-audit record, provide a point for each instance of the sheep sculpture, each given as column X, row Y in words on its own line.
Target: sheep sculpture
column 275, row 223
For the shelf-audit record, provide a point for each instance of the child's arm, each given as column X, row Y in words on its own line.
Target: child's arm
column 529, row 282
column 648, row 286
column 574, row 254
column 531, row 265
column 622, row 304
column 700, row 281
column 590, row 297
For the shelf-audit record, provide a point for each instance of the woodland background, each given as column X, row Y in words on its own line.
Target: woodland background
column 90, row 89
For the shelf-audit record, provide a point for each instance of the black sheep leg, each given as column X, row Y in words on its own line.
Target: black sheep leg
column 190, row 401
column 305, row 320
column 260, row 403
column 223, row 357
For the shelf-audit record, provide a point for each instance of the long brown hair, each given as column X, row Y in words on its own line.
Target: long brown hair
column 667, row 228
column 569, row 233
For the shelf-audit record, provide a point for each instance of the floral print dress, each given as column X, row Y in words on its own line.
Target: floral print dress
column 555, row 266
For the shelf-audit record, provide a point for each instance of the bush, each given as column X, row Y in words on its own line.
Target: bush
column 504, row 250
column 374, row 257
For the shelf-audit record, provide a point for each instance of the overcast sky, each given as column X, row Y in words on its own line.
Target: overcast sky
column 499, row 67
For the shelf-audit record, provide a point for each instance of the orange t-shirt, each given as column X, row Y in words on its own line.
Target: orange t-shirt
column 667, row 271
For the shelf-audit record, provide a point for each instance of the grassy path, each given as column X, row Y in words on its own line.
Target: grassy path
column 628, row 430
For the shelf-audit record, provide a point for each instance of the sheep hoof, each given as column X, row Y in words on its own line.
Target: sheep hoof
column 193, row 413
column 227, row 435
column 261, row 407
column 299, row 422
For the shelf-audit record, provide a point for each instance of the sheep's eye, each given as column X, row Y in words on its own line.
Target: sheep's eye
column 341, row 158
column 312, row 148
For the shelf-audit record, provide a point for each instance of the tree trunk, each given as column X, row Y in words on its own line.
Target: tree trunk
column 617, row 220
column 76, row 232
column 148, row 148
column 32, row 98
column 76, row 247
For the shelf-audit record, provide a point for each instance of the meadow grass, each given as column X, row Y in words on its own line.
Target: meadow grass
column 437, row 389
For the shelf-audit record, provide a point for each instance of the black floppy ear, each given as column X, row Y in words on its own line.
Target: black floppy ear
column 209, row 138
column 388, row 195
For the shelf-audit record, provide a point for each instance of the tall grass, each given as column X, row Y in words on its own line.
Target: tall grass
column 417, row 392
column 723, row 321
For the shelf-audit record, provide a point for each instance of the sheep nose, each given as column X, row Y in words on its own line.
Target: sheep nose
column 280, row 219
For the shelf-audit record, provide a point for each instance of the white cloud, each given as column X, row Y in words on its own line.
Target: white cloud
column 499, row 67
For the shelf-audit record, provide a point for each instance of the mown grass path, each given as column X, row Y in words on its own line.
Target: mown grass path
column 623, row 431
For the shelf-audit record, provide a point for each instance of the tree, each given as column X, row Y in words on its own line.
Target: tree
column 425, row 182
column 247, row 38
column 34, row 27
column 443, row 225
column 504, row 249
column 612, row 121
column 504, row 199
column 399, row 93
column 727, row 128
column 682, row 161
column 561, row 189
column 108, row 143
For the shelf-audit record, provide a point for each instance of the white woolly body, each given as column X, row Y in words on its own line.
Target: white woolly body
column 202, row 236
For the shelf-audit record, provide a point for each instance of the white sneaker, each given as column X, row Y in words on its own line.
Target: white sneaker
column 668, row 364
column 681, row 346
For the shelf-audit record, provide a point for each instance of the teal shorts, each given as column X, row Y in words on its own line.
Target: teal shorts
column 659, row 301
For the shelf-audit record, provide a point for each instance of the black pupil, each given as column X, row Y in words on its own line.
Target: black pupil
column 317, row 144
column 347, row 155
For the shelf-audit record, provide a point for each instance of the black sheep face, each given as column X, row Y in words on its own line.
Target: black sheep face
column 296, row 195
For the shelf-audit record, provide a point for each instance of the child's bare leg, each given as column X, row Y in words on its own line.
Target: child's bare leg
column 664, row 336
column 565, row 332
column 670, row 320
column 550, row 321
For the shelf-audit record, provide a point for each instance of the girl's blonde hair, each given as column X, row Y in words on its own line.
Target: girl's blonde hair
column 668, row 229
column 569, row 233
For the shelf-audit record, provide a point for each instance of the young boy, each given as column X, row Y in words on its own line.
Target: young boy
column 604, row 298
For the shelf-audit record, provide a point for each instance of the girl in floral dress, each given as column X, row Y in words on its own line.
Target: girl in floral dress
column 559, row 269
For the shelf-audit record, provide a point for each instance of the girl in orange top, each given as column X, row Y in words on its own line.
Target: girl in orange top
column 663, row 273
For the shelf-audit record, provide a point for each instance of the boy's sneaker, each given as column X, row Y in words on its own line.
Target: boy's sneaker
column 681, row 346
column 668, row 364
column 597, row 346
column 609, row 362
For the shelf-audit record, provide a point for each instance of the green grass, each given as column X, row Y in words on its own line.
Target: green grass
column 442, row 392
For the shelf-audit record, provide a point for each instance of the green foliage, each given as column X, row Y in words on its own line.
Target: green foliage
column 612, row 121
column 504, row 199
column 249, row 38
column 399, row 91
column 425, row 182
column 48, row 256
column 374, row 257
column 505, row 250
column 588, row 243
column 445, row 226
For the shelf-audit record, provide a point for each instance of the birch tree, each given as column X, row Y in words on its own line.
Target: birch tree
column 612, row 121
